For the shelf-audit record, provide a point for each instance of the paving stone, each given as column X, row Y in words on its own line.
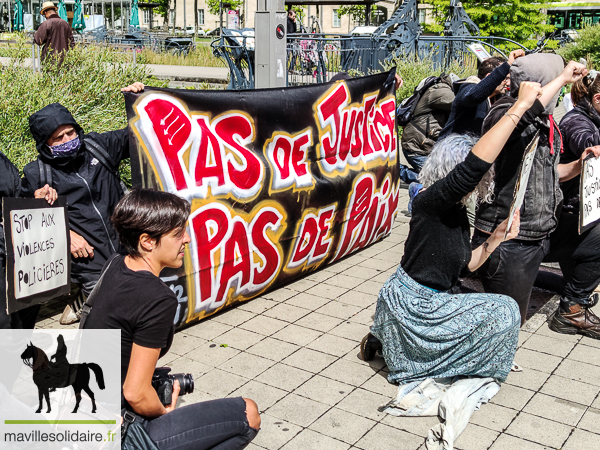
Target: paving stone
column 252, row 446
column 549, row 345
column 369, row 287
column 494, row 417
column 280, row 295
column 382, row 277
column 320, row 275
column 288, row 313
column 364, row 403
column 264, row 325
column 350, row 330
column 536, row 360
column 539, row 430
column 523, row 336
column 475, row 437
column 284, row 377
column 342, row 425
column 507, row 442
column 596, row 403
column 332, row 345
column 383, row 437
column 257, row 305
column 571, row 390
column 309, row 439
column 324, row 390
column 376, row 363
column 528, row 379
column 183, row 343
column 208, row 329
column 327, row 291
column 512, row 396
column 219, row 382
column 299, row 410
column 348, row 372
column 239, row 338
column 354, row 259
column 344, row 281
column 339, row 310
column 579, row 371
column 364, row 317
column 195, row 397
column 339, row 267
column 586, row 354
column 212, row 354
column 308, row 301
column 319, row 322
column 233, row 317
column 297, row 335
column 302, row 285
column 591, row 421
column 264, row 395
column 418, row 426
column 380, row 385
column 274, row 432
column 182, row 364
column 310, row 360
column 581, row 439
column 273, row 349
column 554, row 408
column 378, row 264
column 544, row 330
column 362, row 273
column 246, row 365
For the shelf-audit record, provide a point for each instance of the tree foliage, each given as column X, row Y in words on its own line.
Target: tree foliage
column 163, row 8
column 586, row 46
column 213, row 5
column 517, row 19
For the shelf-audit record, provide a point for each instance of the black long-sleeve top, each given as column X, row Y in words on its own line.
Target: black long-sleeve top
column 438, row 248
column 471, row 105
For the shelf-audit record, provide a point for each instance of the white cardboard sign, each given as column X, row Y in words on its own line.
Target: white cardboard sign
column 40, row 250
column 589, row 193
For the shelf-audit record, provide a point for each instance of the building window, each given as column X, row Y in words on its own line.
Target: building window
column 200, row 17
column 422, row 15
column 147, row 16
column 336, row 19
column 171, row 17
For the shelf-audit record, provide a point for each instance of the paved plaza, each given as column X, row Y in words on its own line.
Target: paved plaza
column 295, row 351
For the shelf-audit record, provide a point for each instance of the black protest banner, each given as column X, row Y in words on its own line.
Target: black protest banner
column 38, row 260
column 281, row 181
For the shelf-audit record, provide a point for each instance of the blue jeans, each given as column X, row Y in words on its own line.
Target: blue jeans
column 416, row 161
column 217, row 424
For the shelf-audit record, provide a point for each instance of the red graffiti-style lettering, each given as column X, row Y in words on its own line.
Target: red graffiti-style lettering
column 313, row 241
column 369, row 215
column 238, row 258
column 288, row 158
column 194, row 153
column 172, row 128
column 353, row 135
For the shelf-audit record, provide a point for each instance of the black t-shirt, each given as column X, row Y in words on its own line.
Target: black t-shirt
column 438, row 248
column 137, row 303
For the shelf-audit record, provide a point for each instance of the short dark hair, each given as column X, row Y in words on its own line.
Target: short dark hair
column 487, row 66
column 148, row 211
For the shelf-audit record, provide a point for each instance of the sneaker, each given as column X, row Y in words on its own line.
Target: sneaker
column 413, row 190
column 69, row 316
column 576, row 319
column 369, row 346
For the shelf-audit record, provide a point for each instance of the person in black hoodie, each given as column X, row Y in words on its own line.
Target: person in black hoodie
column 10, row 186
column 547, row 233
column 91, row 188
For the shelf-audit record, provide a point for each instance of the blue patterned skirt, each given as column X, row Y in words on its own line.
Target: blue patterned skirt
column 432, row 334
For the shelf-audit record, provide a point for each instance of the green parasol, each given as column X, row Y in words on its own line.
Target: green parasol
column 78, row 21
column 62, row 10
column 135, row 19
column 18, row 24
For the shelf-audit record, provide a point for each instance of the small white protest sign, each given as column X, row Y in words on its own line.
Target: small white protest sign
column 589, row 193
column 521, row 185
column 40, row 250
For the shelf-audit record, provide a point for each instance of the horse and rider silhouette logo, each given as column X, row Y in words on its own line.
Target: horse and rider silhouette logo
column 49, row 376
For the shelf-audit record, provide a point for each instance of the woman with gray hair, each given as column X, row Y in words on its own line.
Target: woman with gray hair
column 424, row 328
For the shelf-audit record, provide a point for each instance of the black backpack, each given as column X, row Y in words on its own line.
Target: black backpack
column 406, row 109
column 97, row 152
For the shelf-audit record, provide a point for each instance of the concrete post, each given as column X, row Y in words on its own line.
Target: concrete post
column 270, row 44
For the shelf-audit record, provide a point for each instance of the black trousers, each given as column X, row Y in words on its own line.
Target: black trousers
column 513, row 266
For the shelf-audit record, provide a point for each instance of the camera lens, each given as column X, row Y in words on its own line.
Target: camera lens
column 186, row 382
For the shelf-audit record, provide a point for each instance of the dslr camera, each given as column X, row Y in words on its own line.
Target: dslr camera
column 162, row 382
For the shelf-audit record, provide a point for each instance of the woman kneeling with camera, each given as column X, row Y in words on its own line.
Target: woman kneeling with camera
column 132, row 297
